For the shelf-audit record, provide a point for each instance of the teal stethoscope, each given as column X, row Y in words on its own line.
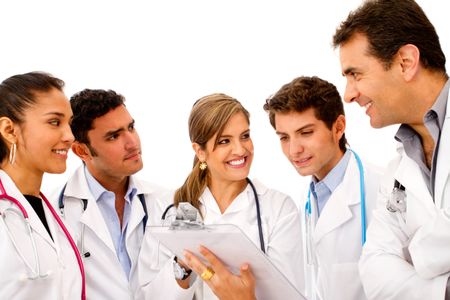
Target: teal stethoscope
column 310, row 257
column 363, row 202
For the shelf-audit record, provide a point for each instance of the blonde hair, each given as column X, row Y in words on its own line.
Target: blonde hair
column 208, row 117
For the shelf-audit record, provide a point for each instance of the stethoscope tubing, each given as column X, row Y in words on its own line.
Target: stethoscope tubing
column 16, row 202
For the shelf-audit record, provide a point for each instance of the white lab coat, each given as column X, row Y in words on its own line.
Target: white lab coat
column 336, row 237
column 407, row 255
column 282, row 237
column 56, row 257
column 105, row 278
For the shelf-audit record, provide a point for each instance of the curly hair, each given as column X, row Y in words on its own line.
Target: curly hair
column 88, row 105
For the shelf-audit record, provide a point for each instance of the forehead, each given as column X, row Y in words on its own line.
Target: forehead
column 354, row 52
column 238, row 121
column 294, row 120
column 114, row 119
column 53, row 100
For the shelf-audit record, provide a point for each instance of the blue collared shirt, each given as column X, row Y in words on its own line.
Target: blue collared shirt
column 106, row 203
column 322, row 190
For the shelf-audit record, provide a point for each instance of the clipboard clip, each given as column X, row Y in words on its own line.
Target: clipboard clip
column 186, row 218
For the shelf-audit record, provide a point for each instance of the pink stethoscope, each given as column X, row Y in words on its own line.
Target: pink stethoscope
column 36, row 272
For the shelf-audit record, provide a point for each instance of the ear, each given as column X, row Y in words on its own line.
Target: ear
column 199, row 152
column 81, row 150
column 409, row 56
column 339, row 127
column 8, row 130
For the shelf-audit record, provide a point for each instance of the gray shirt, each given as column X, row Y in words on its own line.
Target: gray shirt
column 433, row 121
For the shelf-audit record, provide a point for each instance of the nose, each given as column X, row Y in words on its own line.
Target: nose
column 238, row 148
column 351, row 92
column 295, row 147
column 68, row 135
column 131, row 140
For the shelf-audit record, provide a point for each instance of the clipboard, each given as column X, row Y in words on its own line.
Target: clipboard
column 233, row 247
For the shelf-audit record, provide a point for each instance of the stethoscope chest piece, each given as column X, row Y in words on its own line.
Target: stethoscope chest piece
column 397, row 200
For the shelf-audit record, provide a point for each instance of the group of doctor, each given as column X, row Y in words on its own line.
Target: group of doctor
column 89, row 239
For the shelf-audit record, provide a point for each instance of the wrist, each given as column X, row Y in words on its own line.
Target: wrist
column 180, row 271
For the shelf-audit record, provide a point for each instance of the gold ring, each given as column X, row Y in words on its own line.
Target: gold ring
column 207, row 274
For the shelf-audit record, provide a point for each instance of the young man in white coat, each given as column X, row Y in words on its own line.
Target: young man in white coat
column 395, row 68
column 105, row 204
column 308, row 117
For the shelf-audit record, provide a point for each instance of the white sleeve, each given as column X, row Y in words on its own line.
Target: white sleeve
column 284, row 246
column 156, row 279
column 385, row 267
column 429, row 247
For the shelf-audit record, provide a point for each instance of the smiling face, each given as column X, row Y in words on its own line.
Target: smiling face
column 377, row 90
column 115, row 148
column 311, row 147
column 45, row 135
column 230, row 159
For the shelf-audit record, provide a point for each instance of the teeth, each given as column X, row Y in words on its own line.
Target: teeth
column 236, row 162
column 63, row 152
column 368, row 105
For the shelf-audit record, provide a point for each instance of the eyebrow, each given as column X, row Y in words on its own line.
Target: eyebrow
column 348, row 71
column 113, row 132
column 298, row 130
column 228, row 135
column 59, row 114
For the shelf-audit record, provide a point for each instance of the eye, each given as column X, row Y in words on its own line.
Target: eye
column 283, row 138
column 54, row 122
column 131, row 127
column 112, row 137
column 246, row 136
column 223, row 141
column 307, row 133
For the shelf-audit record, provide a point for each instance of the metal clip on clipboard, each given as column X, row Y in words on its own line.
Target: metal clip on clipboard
column 186, row 218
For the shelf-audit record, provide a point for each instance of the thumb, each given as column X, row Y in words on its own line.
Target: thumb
column 247, row 275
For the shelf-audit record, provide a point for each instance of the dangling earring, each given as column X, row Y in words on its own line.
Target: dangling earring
column 203, row 166
column 12, row 154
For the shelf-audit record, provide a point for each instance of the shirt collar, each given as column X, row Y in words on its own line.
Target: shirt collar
column 336, row 175
column 98, row 190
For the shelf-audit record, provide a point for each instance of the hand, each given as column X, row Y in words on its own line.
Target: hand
column 224, row 284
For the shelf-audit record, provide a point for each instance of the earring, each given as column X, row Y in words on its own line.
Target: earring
column 203, row 166
column 12, row 154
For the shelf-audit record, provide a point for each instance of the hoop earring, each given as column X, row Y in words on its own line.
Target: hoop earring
column 12, row 154
column 203, row 166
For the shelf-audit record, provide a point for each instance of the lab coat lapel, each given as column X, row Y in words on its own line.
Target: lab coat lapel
column 136, row 216
column 77, row 187
column 337, row 210
column 410, row 176
column 443, row 161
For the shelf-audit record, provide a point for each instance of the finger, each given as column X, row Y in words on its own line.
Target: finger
column 247, row 275
column 213, row 260
column 193, row 262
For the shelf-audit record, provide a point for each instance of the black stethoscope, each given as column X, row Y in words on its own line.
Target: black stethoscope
column 61, row 204
column 258, row 215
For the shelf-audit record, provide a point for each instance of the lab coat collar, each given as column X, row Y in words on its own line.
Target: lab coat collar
column 337, row 210
column 242, row 201
column 443, row 160
column 77, row 187
column 35, row 221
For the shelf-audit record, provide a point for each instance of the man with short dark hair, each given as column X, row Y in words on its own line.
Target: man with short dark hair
column 395, row 68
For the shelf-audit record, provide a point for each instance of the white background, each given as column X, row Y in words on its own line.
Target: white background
column 163, row 55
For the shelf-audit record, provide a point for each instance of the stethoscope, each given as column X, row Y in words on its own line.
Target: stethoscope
column 61, row 205
column 258, row 215
column 36, row 271
column 397, row 200
column 310, row 256
column 363, row 202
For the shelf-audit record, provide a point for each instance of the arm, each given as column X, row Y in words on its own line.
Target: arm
column 429, row 247
column 224, row 284
column 385, row 266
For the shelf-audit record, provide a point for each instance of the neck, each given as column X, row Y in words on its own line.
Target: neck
column 28, row 182
column 225, row 192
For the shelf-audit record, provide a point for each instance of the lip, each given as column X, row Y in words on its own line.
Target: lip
column 133, row 156
column 63, row 153
column 239, row 165
column 302, row 162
